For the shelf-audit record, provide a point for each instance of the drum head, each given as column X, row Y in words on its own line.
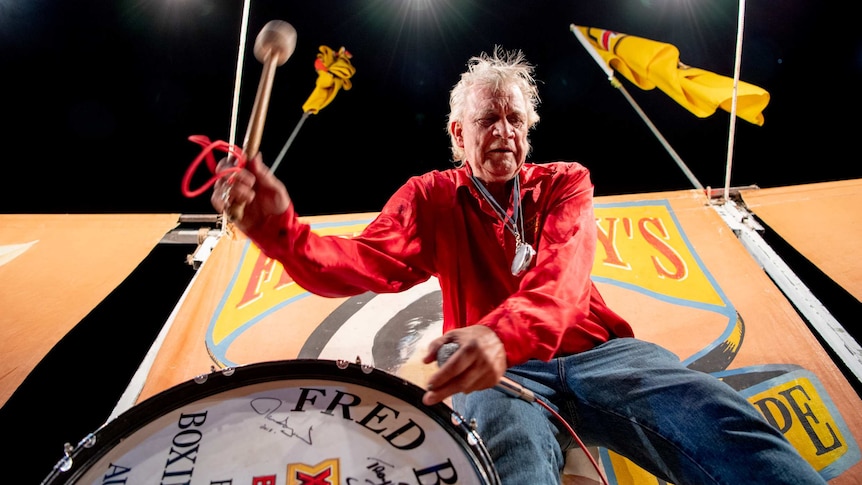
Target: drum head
column 304, row 422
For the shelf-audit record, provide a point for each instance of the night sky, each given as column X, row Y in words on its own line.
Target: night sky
column 101, row 97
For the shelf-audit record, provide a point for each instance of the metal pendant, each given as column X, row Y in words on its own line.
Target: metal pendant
column 523, row 257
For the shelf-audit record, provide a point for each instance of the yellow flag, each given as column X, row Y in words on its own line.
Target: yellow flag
column 334, row 71
column 650, row 64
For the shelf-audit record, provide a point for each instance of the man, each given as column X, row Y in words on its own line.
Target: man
column 512, row 244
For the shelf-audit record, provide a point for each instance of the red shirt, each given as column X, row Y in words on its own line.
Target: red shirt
column 438, row 224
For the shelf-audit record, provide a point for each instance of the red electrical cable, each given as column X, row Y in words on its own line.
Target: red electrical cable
column 513, row 389
column 577, row 438
column 207, row 155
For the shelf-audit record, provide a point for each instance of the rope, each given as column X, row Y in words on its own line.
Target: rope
column 730, row 135
column 206, row 154
column 243, row 32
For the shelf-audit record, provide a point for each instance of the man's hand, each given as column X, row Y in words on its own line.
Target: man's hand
column 479, row 363
column 255, row 187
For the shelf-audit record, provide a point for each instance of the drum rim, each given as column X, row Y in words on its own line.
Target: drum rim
column 127, row 423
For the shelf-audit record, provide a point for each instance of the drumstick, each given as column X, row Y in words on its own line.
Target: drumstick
column 273, row 46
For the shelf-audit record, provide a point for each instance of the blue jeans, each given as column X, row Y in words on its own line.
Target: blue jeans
column 636, row 399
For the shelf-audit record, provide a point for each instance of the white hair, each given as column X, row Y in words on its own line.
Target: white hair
column 498, row 70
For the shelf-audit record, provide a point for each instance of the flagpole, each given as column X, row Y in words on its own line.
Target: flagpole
column 615, row 83
column 238, row 77
column 736, row 69
column 237, row 84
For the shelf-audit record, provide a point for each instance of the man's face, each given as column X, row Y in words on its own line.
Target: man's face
column 493, row 133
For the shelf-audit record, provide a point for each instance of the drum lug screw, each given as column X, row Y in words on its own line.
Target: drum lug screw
column 365, row 368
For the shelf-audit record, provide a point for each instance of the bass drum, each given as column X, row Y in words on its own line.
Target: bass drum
column 294, row 422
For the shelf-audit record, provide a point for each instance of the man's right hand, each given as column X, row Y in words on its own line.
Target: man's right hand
column 255, row 188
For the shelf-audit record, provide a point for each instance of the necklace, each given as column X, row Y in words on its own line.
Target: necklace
column 515, row 223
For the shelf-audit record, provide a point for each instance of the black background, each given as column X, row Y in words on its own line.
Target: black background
column 99, row 99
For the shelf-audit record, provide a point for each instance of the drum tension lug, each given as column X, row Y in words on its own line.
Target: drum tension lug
column 365, row 368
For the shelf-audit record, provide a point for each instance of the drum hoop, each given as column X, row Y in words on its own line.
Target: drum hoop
column 135, row 418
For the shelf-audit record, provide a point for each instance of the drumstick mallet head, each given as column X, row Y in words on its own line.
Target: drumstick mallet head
column 272, row 47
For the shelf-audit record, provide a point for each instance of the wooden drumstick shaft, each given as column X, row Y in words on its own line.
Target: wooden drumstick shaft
column 251, row 144
column 273, row 46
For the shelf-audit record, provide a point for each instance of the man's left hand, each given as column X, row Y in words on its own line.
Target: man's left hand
column 479, row 363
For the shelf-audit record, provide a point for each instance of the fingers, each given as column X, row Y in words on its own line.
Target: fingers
column 461, row 373
column 235, row 187
column 250, row 195
column 256, row 166
column 433, row 347
column 220, row 195
column 478, row 363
